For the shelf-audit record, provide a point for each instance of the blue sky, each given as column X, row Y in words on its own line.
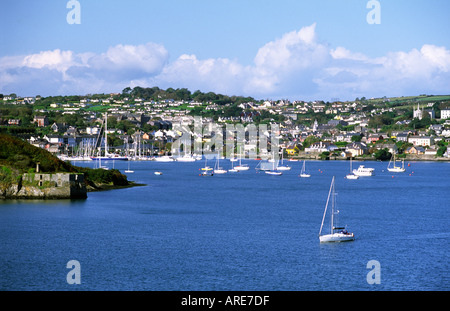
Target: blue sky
column 293, row 49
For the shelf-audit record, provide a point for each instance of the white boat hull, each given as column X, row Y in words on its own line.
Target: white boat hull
column 351, row 176
column 220, row 171
column 164, row 159
column 186, row 159
column 363, row 171
column 305, row 175
column 273, row 173
column 283, row 168
column 336, row 237
column 242, row 168
column 396, row 170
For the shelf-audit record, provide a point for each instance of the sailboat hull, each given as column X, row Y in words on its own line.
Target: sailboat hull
column 242, row 168
column 274, row 173
column 336, row 237
column 396, row 169
column 220, row 171
column 283, row 168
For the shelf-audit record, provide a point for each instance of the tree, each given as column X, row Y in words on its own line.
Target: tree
column 382, row 154
column 356, row 138
column 310, row 140
column 440, row 152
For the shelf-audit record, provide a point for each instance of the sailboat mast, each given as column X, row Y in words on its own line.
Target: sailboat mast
column 332, row 205
column 106, row 135
column 326, row 206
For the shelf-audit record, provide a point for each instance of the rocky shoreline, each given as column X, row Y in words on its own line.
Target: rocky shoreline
column 56, row 186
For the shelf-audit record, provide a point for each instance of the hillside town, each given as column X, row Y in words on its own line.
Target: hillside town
column 147, row 126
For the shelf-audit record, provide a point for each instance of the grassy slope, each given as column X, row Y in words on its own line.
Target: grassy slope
column 21, row 157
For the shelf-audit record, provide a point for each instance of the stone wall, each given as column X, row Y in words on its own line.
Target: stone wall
column 46, row 186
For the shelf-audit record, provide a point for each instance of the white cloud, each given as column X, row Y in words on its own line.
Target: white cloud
column 149, row 58
column 294, row 50
column 220, row 75
column 342, row 53
column 56, row 59
column 397, row 73
column 296, row 65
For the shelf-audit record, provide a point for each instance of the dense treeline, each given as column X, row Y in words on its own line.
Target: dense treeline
column 155, row 93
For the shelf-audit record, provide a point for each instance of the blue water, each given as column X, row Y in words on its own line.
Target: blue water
column 238, row 231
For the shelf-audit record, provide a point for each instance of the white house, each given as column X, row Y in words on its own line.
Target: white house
column 445, row 114
column 321, row 147
column 356, row 149
column 421, row 140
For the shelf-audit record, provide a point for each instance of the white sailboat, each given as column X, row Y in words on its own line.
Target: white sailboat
column 351, row 175
column 283, row 167
column 128, row 170
column 393, row 167
column 303, row 172
column 232, row 170
column 274, row 171
column 337, row 234
column 241, row 167
column 217, row 168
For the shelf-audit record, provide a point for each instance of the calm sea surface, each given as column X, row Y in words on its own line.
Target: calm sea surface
column 238, row 231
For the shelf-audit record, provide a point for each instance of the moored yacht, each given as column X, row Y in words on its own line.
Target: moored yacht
column 337, row 234
column 363, row 171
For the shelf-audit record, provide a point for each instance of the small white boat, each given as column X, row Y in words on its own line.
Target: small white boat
column 217, row 168
column 351, row 175
column 164, row 159
column 232, row 170
column 337, row 234
column 303, row 172
column 241, row 167
column 275, row 173
column 363, row 171
column 393, row 168
column 283, row 167
column 158, row 173
column 128, row 171
column 186, row 158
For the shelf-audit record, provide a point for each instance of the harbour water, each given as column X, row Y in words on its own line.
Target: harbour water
column 237, row 231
